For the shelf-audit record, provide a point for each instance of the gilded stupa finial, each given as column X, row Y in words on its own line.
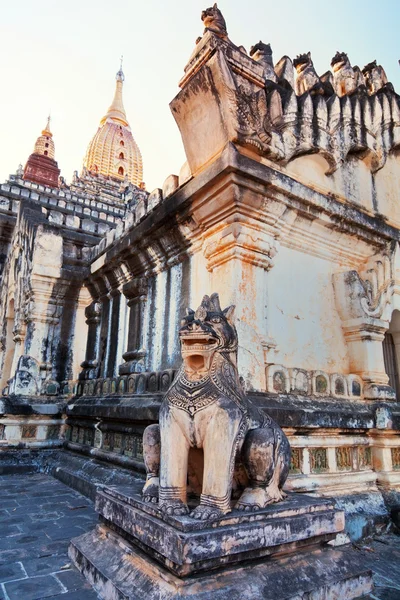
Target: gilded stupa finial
column 116, row 112
column 46, row 130
column 113, row 151
column 120, row 75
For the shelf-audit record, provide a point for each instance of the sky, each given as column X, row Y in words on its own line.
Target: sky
column 62, row 56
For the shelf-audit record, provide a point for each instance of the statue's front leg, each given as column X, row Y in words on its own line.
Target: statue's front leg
column 219, row 446
column 174, row 466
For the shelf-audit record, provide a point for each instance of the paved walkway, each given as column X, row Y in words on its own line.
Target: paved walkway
column 39, row 515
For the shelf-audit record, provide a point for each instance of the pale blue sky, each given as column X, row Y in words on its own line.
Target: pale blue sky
column 62, row 56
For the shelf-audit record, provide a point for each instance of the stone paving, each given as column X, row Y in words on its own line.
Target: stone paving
column 39, row 515
column 382, row 556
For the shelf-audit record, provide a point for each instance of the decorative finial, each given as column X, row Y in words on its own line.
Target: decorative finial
column 47, row 130
column 120, row 74
column 214, row 21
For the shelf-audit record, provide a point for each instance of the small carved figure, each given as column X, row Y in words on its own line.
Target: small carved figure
column 307, row 78
column 262, row 53
column 375, row 77
column 26, row 380
column 214, row 21
column 347, row 79
column 206, row 408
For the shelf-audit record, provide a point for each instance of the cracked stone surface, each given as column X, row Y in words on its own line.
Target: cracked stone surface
column 39, row 515
column 382, row 556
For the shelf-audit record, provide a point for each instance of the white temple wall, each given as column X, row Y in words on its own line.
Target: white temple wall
column 302, row 315
column 200, row 279
column 352, row 182
column 387, row 182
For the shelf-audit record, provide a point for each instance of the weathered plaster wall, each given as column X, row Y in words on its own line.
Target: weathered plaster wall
column 353, row 182
column 387, row 185
column 302, row 315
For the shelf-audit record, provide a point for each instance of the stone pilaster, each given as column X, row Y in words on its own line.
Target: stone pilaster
column 93, row 319
column 136, row 294
column 364, row 339
column 238, row 257
column 43, row 316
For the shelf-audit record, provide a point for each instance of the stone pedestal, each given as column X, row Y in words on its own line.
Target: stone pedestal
column 134, row 554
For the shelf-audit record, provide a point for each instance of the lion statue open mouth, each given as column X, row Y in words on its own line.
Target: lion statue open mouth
column 206, row 409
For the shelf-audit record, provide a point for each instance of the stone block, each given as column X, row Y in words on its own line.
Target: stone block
column 4, row 203
column 88, row 225
column 185, row 173
column 103, row 228
column 119, row 570
column 110, row 237
column 119, row 230
column 184, row 545
column 154, row 199
column 140, row 210
column 56, row 217
column 129, row 220
column 170, row 185
column 72, row 221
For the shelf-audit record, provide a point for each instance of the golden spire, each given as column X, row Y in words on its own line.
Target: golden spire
column 46, row 130
column 113, row 151
column 116, row 112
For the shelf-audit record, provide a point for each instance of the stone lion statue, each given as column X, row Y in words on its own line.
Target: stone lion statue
column 347, row 79
column 209, row 432
column 214, row 21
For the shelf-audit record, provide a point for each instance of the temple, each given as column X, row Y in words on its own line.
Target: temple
column 41, row 166
column 287, row 206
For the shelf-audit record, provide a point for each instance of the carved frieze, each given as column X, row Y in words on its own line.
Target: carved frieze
column 395, row 458
column 318, row 460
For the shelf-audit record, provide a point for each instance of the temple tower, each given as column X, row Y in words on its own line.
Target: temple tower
column 113, row 151
column 41, row 167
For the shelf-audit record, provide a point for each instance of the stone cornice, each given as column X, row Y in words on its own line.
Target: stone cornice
column 351, row 230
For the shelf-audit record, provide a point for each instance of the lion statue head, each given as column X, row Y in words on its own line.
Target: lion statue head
column 205, row 332
column 214, row 21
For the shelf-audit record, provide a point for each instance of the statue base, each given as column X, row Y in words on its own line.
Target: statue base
column 134, row 553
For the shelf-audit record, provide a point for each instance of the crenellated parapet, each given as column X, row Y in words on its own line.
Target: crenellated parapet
column 284, row 111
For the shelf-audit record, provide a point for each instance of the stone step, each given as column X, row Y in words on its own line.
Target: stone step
column 184, row 545
column 120, row 571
